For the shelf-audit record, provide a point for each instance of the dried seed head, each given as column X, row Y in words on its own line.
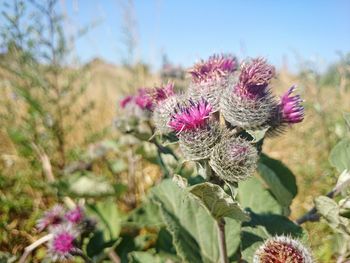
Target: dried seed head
column 233, row 159
column 51, row 218
column 211, row 77
column 61, row 246
column 282, row 249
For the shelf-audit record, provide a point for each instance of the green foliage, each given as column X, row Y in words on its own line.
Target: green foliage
column 340, row 155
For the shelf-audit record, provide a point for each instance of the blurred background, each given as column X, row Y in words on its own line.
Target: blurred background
column 65, row 65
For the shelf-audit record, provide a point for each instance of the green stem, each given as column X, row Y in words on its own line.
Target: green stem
column 222, row 241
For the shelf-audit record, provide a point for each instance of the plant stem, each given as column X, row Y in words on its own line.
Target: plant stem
column 222, row 241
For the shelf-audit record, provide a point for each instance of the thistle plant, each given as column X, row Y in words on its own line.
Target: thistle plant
column 217, row 122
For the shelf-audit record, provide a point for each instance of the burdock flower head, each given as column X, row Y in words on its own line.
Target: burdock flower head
column 143, row 99
column 289, row 111
column 61, row 246
column 233, row 159
column 165, row 101
column 197, row 132
column 282, row 249
column 210, row 78
column 51, row 218
column 248, row 103
column 76, row 215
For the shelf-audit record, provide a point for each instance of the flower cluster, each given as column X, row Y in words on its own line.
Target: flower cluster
column 212, row 117
column 66, row 227
column 282, row 249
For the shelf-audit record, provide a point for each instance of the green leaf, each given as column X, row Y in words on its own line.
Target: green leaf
column 119, row 166
column 194, row 232
column 252, row 239
column 97, row 244
column 149, row 257
column 340, row 155
column 148, row 214
column 252, row 194
column 217, row 202
column 329, row 209
column 109, row 218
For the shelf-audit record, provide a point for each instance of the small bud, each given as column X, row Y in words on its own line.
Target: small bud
column 211, row 77
column 51, row 218
column 197, row 133
column 234, row 159
column 282, row 249
column 249, row 103
column 61, row 246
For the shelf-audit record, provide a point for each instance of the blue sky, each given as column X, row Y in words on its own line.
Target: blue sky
column 187, row 30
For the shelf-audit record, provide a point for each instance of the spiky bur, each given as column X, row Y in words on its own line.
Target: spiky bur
column 282, row 249
column 62, row 245
column 51, row 218
column 233, row 159
column 289, row 111
column 248, row 103
column 197, row 133
column 211, row 77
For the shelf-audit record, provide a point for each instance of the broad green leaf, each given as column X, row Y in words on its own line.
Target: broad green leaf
column 329, row 209
column 148, row 214
column 281, row 193
column 108, row 217
column 194, row 232
column 258, row 134
column 340, row 155
column 252, row 238
column 252, row 194
column 149, row 257
column 217, row 202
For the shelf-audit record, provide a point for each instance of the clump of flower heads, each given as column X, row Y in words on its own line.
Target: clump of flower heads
column 221, row 100
column 233, row 159
column 282, row 249
column 66, row 228
column 209, row 78
column 197, row 131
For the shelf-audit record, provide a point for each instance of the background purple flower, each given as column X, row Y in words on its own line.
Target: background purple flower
column 53, row 217
column 75, row 215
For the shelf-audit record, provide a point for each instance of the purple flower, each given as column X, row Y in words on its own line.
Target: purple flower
column 62, row 245
column 216, row 67
column 76, row 215
column 159, row 94
column 53, row 217
column 125, row 101
column 282, row 249
column 254, row 79
column 290, row 108
column 143, row 99
column 191, row 117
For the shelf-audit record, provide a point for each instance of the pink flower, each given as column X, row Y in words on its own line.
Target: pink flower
column 163, row 92
column 216, row 67
column 62, row 245
column 53, row 217
column 143, row 99
column 254, row 79
column 191, row 117
column 75, row 216
column 125, row 101
column 290, row 107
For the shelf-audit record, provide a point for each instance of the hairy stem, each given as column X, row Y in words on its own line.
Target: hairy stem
column 222, row 241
